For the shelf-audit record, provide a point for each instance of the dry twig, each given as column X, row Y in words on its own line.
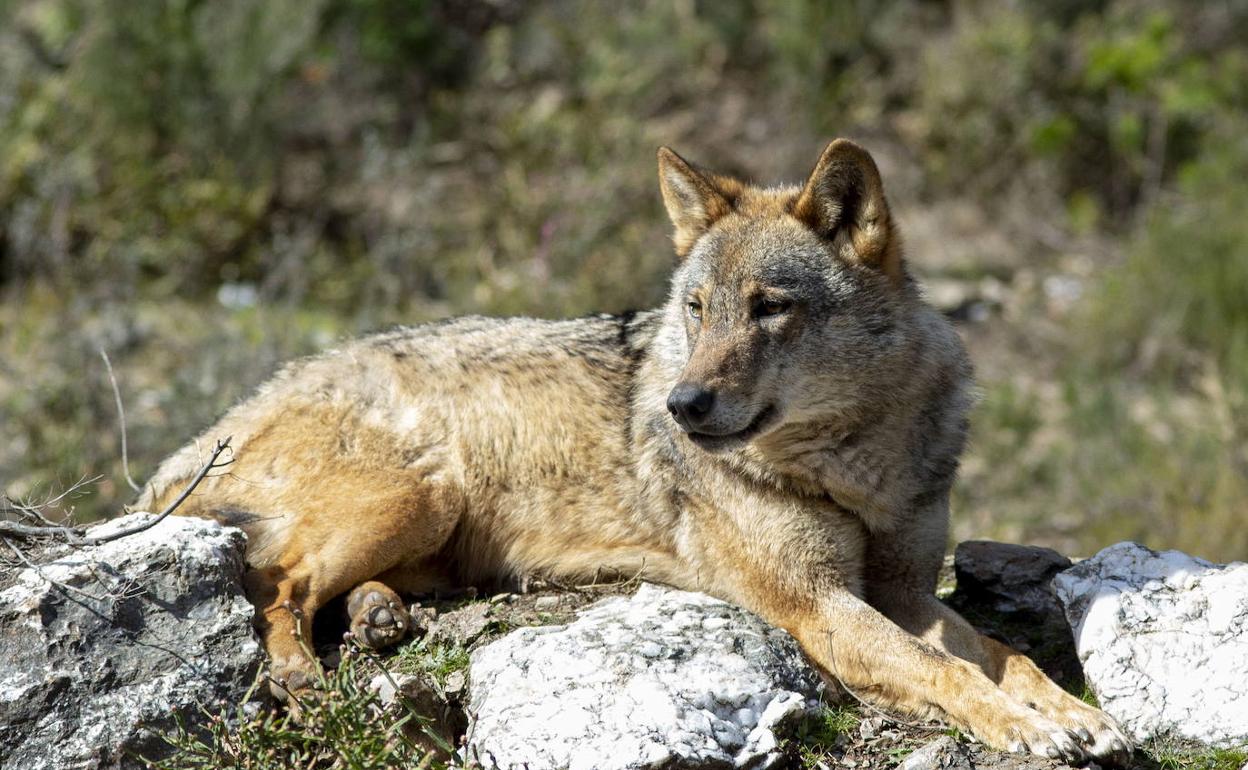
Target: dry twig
column 222, row 445
column 121, row 419
column 76, row 535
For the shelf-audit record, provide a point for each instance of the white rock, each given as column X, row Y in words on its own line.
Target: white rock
column 1163, row 638
column 640, row 682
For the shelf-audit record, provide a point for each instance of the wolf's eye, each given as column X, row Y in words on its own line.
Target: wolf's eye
column 770, row 307
column 695, row 310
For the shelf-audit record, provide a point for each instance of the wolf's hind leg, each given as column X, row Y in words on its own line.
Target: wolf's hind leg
column 332, row 552
column 284, row 620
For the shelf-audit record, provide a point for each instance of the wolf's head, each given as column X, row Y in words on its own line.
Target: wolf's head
column 790, row 304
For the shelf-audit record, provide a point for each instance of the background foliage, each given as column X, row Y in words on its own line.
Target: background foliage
column 206, row 188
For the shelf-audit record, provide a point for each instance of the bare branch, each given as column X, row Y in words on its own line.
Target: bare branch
column 121, row 419
column 77, row 535
column 221, row 446
column 42, row 526
column 34, row 511
column 28, row 512
column 16, row 529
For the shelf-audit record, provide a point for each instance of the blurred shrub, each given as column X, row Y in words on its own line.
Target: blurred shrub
column 205, row 188
column 1098, row 103
column 467, row 155
column 1145, row 434
column 1179, row 304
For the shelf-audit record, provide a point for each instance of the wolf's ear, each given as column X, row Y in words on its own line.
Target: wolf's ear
column 694, row 199
column 844, row 196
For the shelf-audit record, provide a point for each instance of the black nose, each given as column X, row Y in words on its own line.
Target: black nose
column 690, row 404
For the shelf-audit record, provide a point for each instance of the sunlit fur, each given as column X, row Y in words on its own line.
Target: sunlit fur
column 816, row 493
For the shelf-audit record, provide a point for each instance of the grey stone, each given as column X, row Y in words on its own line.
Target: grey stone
column 417, row 690
column 461, row 626
column 640, row 682
column 546, row 603
column 456, row 683
column 408, row 693
column 88, row 681
column 389, row 685
column 871, row 727
column 944, row 753
column 1008, row 577
column 1163, row 638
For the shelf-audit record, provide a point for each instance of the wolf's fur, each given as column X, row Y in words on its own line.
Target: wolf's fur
column 813, row 489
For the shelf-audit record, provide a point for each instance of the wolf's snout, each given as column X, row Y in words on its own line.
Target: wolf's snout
column 690, row 404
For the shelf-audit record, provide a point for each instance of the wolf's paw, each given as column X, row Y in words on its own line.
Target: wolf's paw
column 1098, row 733
column 378, row 618
column 292, row 680
column 1024, row 730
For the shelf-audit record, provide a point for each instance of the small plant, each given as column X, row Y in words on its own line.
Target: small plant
column 955, row 733
column 1177, row 755
column 901, row 752
column 820, row 735
column 344, row 726
column 434, row 659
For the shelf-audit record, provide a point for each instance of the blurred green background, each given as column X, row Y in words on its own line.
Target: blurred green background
column 206, row 188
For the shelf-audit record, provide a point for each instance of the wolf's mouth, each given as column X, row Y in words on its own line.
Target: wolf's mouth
column 713, row 442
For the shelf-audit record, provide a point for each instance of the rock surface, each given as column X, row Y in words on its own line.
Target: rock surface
column 942, row 753
column 1005, row 591
column 663, row 678
column 461, row 626
column 1009, row 577
column 159, row 625
column 1164, row 641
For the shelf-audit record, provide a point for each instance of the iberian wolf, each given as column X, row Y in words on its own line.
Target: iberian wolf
column 783, row 433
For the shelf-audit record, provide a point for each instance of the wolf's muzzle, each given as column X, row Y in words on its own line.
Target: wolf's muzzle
column 690, row 404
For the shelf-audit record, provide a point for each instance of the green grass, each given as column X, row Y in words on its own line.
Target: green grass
column 1087, row 696
column 345, row 727
column 436, row 660
column 1179, row 756
column 816, row 739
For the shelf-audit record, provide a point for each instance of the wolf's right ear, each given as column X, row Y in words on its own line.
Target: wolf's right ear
column 694, row 199
column 845, row 196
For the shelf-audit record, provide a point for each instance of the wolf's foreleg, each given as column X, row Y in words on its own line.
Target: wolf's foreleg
column 900, row 580
column 927, row 618
column 880, row 661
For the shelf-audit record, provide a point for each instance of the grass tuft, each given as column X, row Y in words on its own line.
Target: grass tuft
column 819, row 736
column 347, row 726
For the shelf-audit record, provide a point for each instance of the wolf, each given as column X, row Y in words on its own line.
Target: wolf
column 783, row 434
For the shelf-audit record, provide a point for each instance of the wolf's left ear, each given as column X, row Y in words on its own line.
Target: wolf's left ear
column 694, row 199
column 844, row 196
